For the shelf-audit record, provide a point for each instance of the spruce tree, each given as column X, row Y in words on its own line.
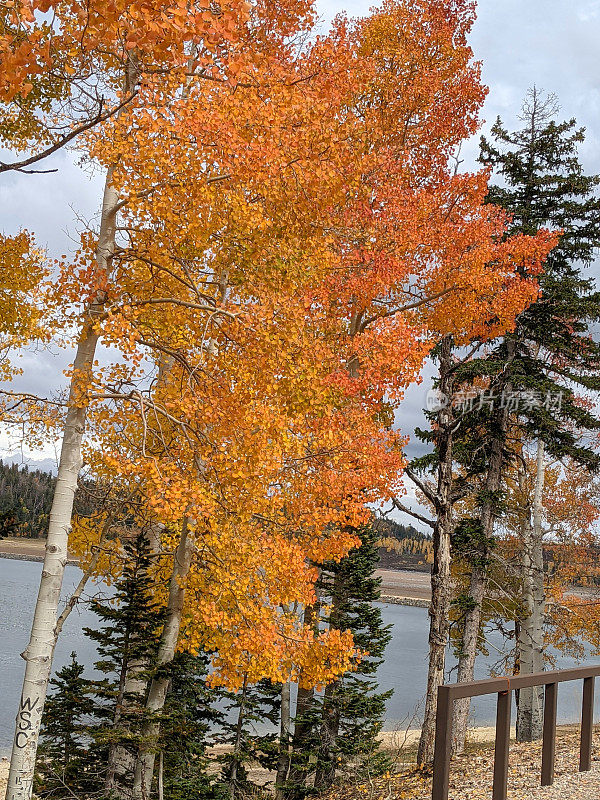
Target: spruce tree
column 251, row 719
column 193, row 712
column 534, row 373
column 126, row 643
column 555, row 353
column 341, row 726
column 64, row 767
column 93, row 727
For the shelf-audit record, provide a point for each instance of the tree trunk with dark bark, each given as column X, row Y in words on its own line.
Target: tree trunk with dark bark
column 440, row 572
column 490, row 502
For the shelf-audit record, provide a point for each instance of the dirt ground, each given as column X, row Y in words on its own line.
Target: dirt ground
column 471, row 775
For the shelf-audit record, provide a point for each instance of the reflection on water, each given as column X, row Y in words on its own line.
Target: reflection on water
column 404, row 670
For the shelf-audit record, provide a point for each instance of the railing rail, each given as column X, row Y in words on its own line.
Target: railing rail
column 504, row 687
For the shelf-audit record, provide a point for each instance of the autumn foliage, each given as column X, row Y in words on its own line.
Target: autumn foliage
column 292, row 241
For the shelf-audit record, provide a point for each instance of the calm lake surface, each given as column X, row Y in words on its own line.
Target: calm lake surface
column 404, row 669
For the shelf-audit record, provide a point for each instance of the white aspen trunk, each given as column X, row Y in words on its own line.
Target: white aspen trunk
column 285, row 735
column 144, row 768
column 40, row 649
column 530, row 643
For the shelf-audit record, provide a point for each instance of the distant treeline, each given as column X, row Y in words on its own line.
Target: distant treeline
column 26, row 498
column 403, row 546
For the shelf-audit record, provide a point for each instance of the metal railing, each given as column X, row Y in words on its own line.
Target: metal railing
column 448, row 693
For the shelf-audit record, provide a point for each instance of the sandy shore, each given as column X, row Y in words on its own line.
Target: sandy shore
column 23, row 549
column 405, row 585
column 400, row 742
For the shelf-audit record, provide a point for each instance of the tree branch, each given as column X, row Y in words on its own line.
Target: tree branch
column 401, row 507
column 429, row 493
column 19, row 166
column 407, row 307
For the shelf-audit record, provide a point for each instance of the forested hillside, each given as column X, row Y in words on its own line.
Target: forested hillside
column 403, row 546
column 25, row 499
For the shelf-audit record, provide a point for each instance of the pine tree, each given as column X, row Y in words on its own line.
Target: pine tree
column 9, row 524
column 555, row 354
column 191, row 716
column 64, row 768
column 341, row 726
column 535, row 372
column 126, row 643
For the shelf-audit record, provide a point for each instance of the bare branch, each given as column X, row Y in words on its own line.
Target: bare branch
column 186, row 304
column 19, row 166
column 401, row 507
column 427, row 490
column 407, row 307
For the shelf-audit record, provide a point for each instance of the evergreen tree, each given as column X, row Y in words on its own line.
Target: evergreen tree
column 9, row 524
column 25, row 499
column 552, row 354
column 93, row 727
column 64, row 768
column 340, row 727
column 126, row 643
column 188, row 726
column 251, row 719
column 26, row 496
column 535, row 372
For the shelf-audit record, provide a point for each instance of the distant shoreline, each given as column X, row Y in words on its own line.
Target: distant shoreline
column 21, row 557
column 72, row 562
column 416, row 602
column 22, row 549
column 398, row 587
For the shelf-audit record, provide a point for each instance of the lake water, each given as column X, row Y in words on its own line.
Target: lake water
column 404, row 670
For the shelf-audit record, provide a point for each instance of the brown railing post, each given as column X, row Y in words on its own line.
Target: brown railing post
column 443, row 744
column 504, row 687
column 587, row 725
column 502, row 743
column 549, row 740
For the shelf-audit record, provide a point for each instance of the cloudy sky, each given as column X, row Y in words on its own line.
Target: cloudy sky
column 550, row 43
